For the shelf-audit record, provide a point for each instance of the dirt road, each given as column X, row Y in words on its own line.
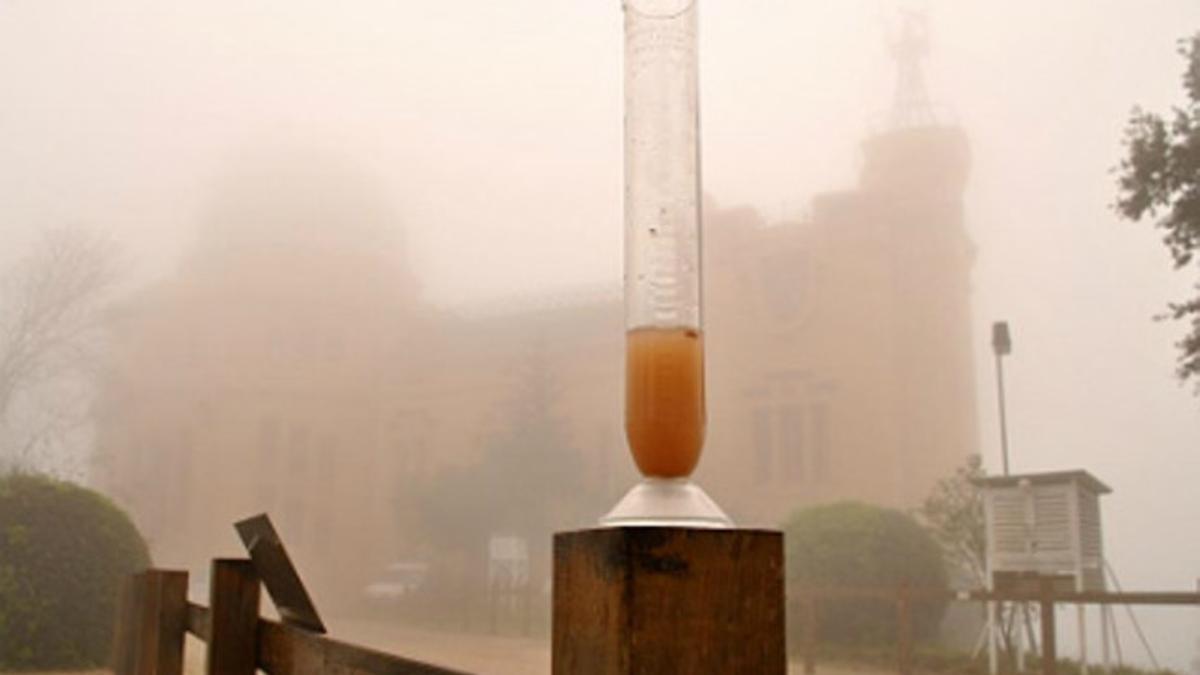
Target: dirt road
column 482, row 654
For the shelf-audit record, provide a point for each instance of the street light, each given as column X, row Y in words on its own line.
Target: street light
column 1001, row 346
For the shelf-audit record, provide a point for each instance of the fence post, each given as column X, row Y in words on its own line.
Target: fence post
column 1049, row 650
column 233, row 602
column 809, row 632
column 668, row 600
column 904, row 629
column 162, row 622
column 152, row 620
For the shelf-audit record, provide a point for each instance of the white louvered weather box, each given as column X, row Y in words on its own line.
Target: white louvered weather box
column 1045, row 524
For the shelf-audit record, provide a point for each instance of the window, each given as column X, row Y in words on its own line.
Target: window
column 790, row 433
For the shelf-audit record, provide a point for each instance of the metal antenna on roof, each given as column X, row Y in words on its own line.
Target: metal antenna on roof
column 910, row 105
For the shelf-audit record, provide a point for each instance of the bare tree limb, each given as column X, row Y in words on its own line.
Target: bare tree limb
column 51, row 307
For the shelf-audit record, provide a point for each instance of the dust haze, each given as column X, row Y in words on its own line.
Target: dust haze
column 368, row 256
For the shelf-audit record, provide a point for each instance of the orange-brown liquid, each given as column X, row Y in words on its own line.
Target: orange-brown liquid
column 664, row 399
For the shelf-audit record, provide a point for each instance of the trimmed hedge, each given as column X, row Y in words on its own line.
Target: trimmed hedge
column 64, row 553
column 856, row 545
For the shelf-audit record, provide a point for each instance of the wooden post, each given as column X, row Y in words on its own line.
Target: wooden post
column 1081, row 612
column 162, row 622
column 233, row 601
column 151, row 623
column 645, row 600
column 904, row 630
column 809, row 633
column 993, row 629
column 1021, row 617
column 1105, row 656
column 1049, row 650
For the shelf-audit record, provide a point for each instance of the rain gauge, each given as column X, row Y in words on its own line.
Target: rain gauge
column 665, row 414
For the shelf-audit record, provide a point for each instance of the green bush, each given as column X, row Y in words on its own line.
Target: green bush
column 64, row 552
column 855, row 545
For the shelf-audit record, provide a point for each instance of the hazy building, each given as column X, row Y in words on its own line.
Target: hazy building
column 290, row 366
column 258, row 378
column 840, row 355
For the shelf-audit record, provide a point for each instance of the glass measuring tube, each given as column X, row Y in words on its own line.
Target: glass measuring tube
column 664, row 355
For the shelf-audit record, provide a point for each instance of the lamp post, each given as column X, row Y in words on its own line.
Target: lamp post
column 1001, row 346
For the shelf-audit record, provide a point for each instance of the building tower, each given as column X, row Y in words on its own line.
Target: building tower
column 914, row 175
column 910, row 103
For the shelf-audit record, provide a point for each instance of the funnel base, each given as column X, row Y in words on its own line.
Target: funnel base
column 666, row 502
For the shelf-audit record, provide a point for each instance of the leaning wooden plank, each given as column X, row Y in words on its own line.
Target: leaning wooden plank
column 278, row 573
column 287, row 650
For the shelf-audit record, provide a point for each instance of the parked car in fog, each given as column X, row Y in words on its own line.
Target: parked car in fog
column 398, row 580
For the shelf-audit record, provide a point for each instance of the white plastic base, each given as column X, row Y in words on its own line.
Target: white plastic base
column 666, row 502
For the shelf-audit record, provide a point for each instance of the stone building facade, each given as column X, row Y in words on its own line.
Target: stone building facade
column 291, row 367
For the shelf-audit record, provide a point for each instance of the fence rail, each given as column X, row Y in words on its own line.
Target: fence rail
column 155, row 615
column 806, row 601
column 1064, row 597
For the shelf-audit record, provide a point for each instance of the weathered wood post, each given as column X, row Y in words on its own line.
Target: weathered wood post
column 1049, row 650
column 233, row 603
column 163, row 622
column 904, row 630
column 151, row 624
column 653, row 600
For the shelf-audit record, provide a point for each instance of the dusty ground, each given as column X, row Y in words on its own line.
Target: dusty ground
column 479, row 654
column 793, row 670
column 483, row 654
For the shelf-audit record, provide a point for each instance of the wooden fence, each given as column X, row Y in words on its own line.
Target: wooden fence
column 805, row 602
column 155, row 615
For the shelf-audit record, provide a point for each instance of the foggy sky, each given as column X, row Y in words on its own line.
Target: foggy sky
column 496, row 129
